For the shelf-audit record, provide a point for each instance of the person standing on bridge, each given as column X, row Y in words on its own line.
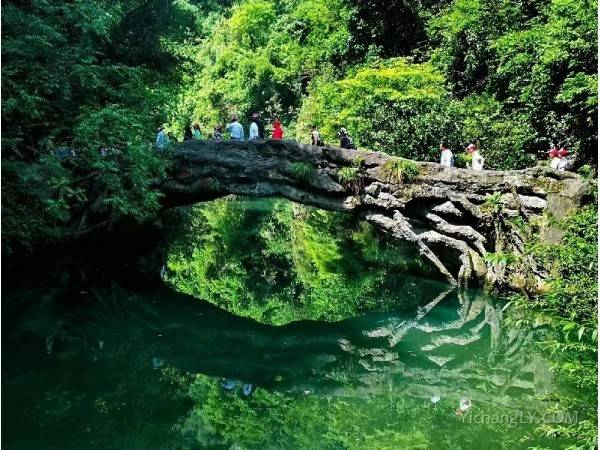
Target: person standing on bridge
column 476, row 159
column 554, row 159
column 564, row 163
column 277, row 130
column 253, row 129
column 235, row 129
column 218, row 134
column 162, row 140
column 315, row 137
column 345, row 140
column 259, row 124
column 197, row 133
column 447, row 158
column 188, row 135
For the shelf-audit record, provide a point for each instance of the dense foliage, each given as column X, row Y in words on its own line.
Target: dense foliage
column 512, row 76
column 570, row 307
column 66, row 97
column 85, row 84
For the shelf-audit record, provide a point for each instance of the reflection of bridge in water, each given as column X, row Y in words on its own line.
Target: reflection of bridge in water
column 457, row 350
column 454, row 346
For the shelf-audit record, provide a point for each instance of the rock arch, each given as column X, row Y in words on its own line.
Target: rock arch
column 454, row 216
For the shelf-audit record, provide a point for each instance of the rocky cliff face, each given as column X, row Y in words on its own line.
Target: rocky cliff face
column 454, row 216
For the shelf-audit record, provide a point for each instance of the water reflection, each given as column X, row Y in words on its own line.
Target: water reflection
column 451, row 351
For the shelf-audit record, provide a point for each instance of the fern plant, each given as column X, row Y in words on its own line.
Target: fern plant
column 353, row 177
column 399, row 171
column 347, row 175
column 500, row 258
column 493, row 203
column 302, row 171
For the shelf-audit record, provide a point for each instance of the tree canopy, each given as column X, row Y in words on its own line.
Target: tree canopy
column 400, row 76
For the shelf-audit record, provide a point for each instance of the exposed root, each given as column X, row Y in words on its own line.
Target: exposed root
column 401, row 229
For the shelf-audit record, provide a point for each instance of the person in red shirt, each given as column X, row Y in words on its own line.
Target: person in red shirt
column 277, row 130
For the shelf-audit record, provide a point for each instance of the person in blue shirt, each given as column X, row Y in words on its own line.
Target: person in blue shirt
column 197, row 134
column 236, row 131
column 162, row 140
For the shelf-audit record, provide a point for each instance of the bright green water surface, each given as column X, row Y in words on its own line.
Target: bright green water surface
column 109, row 367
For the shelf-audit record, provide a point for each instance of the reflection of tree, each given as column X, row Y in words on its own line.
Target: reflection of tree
column 278, row 262
column 357, row 383
column 373, row 390
column 468, row 353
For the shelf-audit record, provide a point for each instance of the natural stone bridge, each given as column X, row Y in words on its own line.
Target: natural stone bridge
column 454, row 216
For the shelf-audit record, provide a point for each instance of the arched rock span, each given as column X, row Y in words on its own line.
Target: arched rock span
column 454, row 216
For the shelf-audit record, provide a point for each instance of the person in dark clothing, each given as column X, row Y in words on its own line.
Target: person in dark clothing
column 260, row 124
column 345, row 140
column 218, row 134
column 187, row 134
column 172, row 137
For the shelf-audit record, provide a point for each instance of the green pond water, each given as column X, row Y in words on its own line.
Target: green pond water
column 110, row 367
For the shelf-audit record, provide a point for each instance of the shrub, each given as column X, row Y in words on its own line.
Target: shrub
column 587, row 171
column 493, row 203
column 399, row 171
column 347, row 175
column 463, row 159
column 302, row 171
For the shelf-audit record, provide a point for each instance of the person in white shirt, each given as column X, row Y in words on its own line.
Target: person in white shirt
column 236, row 130
column 254, row 134
column 447, row 158
column 315, row 137
column 476, row 159
column 554, row 159
column 563, row 163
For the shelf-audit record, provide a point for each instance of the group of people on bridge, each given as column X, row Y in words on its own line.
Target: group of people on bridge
column 234, row 128
column 237, row 133
column 447, row 157
column 558, row 157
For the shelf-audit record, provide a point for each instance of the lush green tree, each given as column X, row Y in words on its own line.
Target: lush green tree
column 385, row 29
column 537, row 58
column 403, row 109
column 260, row 58
column 78, row 120
column 570, row 306
column 392, row 106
